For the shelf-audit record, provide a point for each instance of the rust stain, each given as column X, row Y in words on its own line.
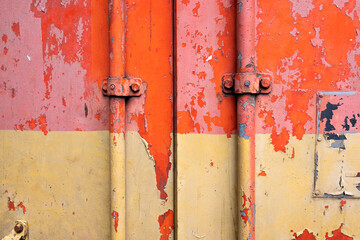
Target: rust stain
column 166, row 224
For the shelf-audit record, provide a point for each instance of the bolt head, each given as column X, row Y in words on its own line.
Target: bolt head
column 319, row 139
column 228, row 82
column 135, row 87
column 321, row 95
column 247, row 83
column 112, row 86
column 18, row 228
column 265, row 83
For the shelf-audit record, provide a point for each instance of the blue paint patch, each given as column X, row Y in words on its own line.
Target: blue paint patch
column 339, row 93
column 316, row 171
column 243, row 213
column 239, row 60
column 244, row 104
column 242, row 132
column 250, row 236
column 240, row 4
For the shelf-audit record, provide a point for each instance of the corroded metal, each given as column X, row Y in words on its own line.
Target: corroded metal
column 19, row 232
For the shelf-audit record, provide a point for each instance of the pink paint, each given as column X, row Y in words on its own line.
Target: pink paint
column 55, row 57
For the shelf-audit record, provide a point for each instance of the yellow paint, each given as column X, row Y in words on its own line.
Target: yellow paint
column 206, row 187
column 338, row 167
column 244, row 183
column 118, row 189
column 143, row 203
column 284, row 197
column 62, row 179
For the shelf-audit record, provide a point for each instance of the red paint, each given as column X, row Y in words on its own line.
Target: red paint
column 280, row 140
column 166, row 224
column 244, row 215
column 16, row 28
column 211, row 164
column 293, row 153
column 115, row 216
column 326, row 207
column 338, row 235
column 196, row 9
column 5, row 50
column 262, row 173
column 342, row 203
column 306, row 235
column 4, row 38
column 22, row 206
column 11, row 205
column 244, row 200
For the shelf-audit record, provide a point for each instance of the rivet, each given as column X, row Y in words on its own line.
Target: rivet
column 112, row 86
column 319, row 139
column 18, row 228
column 247, row 83
column 135, row 87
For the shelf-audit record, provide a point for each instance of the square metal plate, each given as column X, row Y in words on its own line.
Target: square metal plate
column 337, row 152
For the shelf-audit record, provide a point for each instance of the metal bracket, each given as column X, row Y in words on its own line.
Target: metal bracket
column 123, row 87
column 246, row 82
column 19, row 232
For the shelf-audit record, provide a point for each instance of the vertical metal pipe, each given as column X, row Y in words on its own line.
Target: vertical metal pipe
column 117, row 120
column 245, row 44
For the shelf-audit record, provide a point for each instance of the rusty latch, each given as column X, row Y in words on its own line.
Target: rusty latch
column 19, row 232
column 123, row 87
column 247, row 82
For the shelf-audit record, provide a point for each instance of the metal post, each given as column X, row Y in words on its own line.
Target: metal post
column 245, row 27
column 117, row 120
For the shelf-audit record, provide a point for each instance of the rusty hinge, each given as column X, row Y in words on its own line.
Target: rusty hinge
column 247, row 82
column 123, row 87
column 19, row 232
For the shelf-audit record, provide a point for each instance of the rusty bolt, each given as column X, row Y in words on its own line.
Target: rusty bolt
column 228, row 82
column 135, row 87
column 247, row 83
column 112, row 86
column 18, row 228
column 321, row 95
column 265, row 83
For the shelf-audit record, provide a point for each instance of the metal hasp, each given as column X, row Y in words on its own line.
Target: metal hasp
column 246, row 83
column 123, row 87
column 19, row 232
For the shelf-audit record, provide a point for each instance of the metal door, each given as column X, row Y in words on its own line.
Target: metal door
column 226, row 119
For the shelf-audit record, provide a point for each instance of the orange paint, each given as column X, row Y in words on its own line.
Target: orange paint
column 304, row 55
column 293, row 153
column 342, row 203
column 306, row 235
column 153, row 47
column 280, row 140
column 166, row 224
column 196, row 9
column 32, row 123
column 115, row 216
column 262, row 173
column 337, row 235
